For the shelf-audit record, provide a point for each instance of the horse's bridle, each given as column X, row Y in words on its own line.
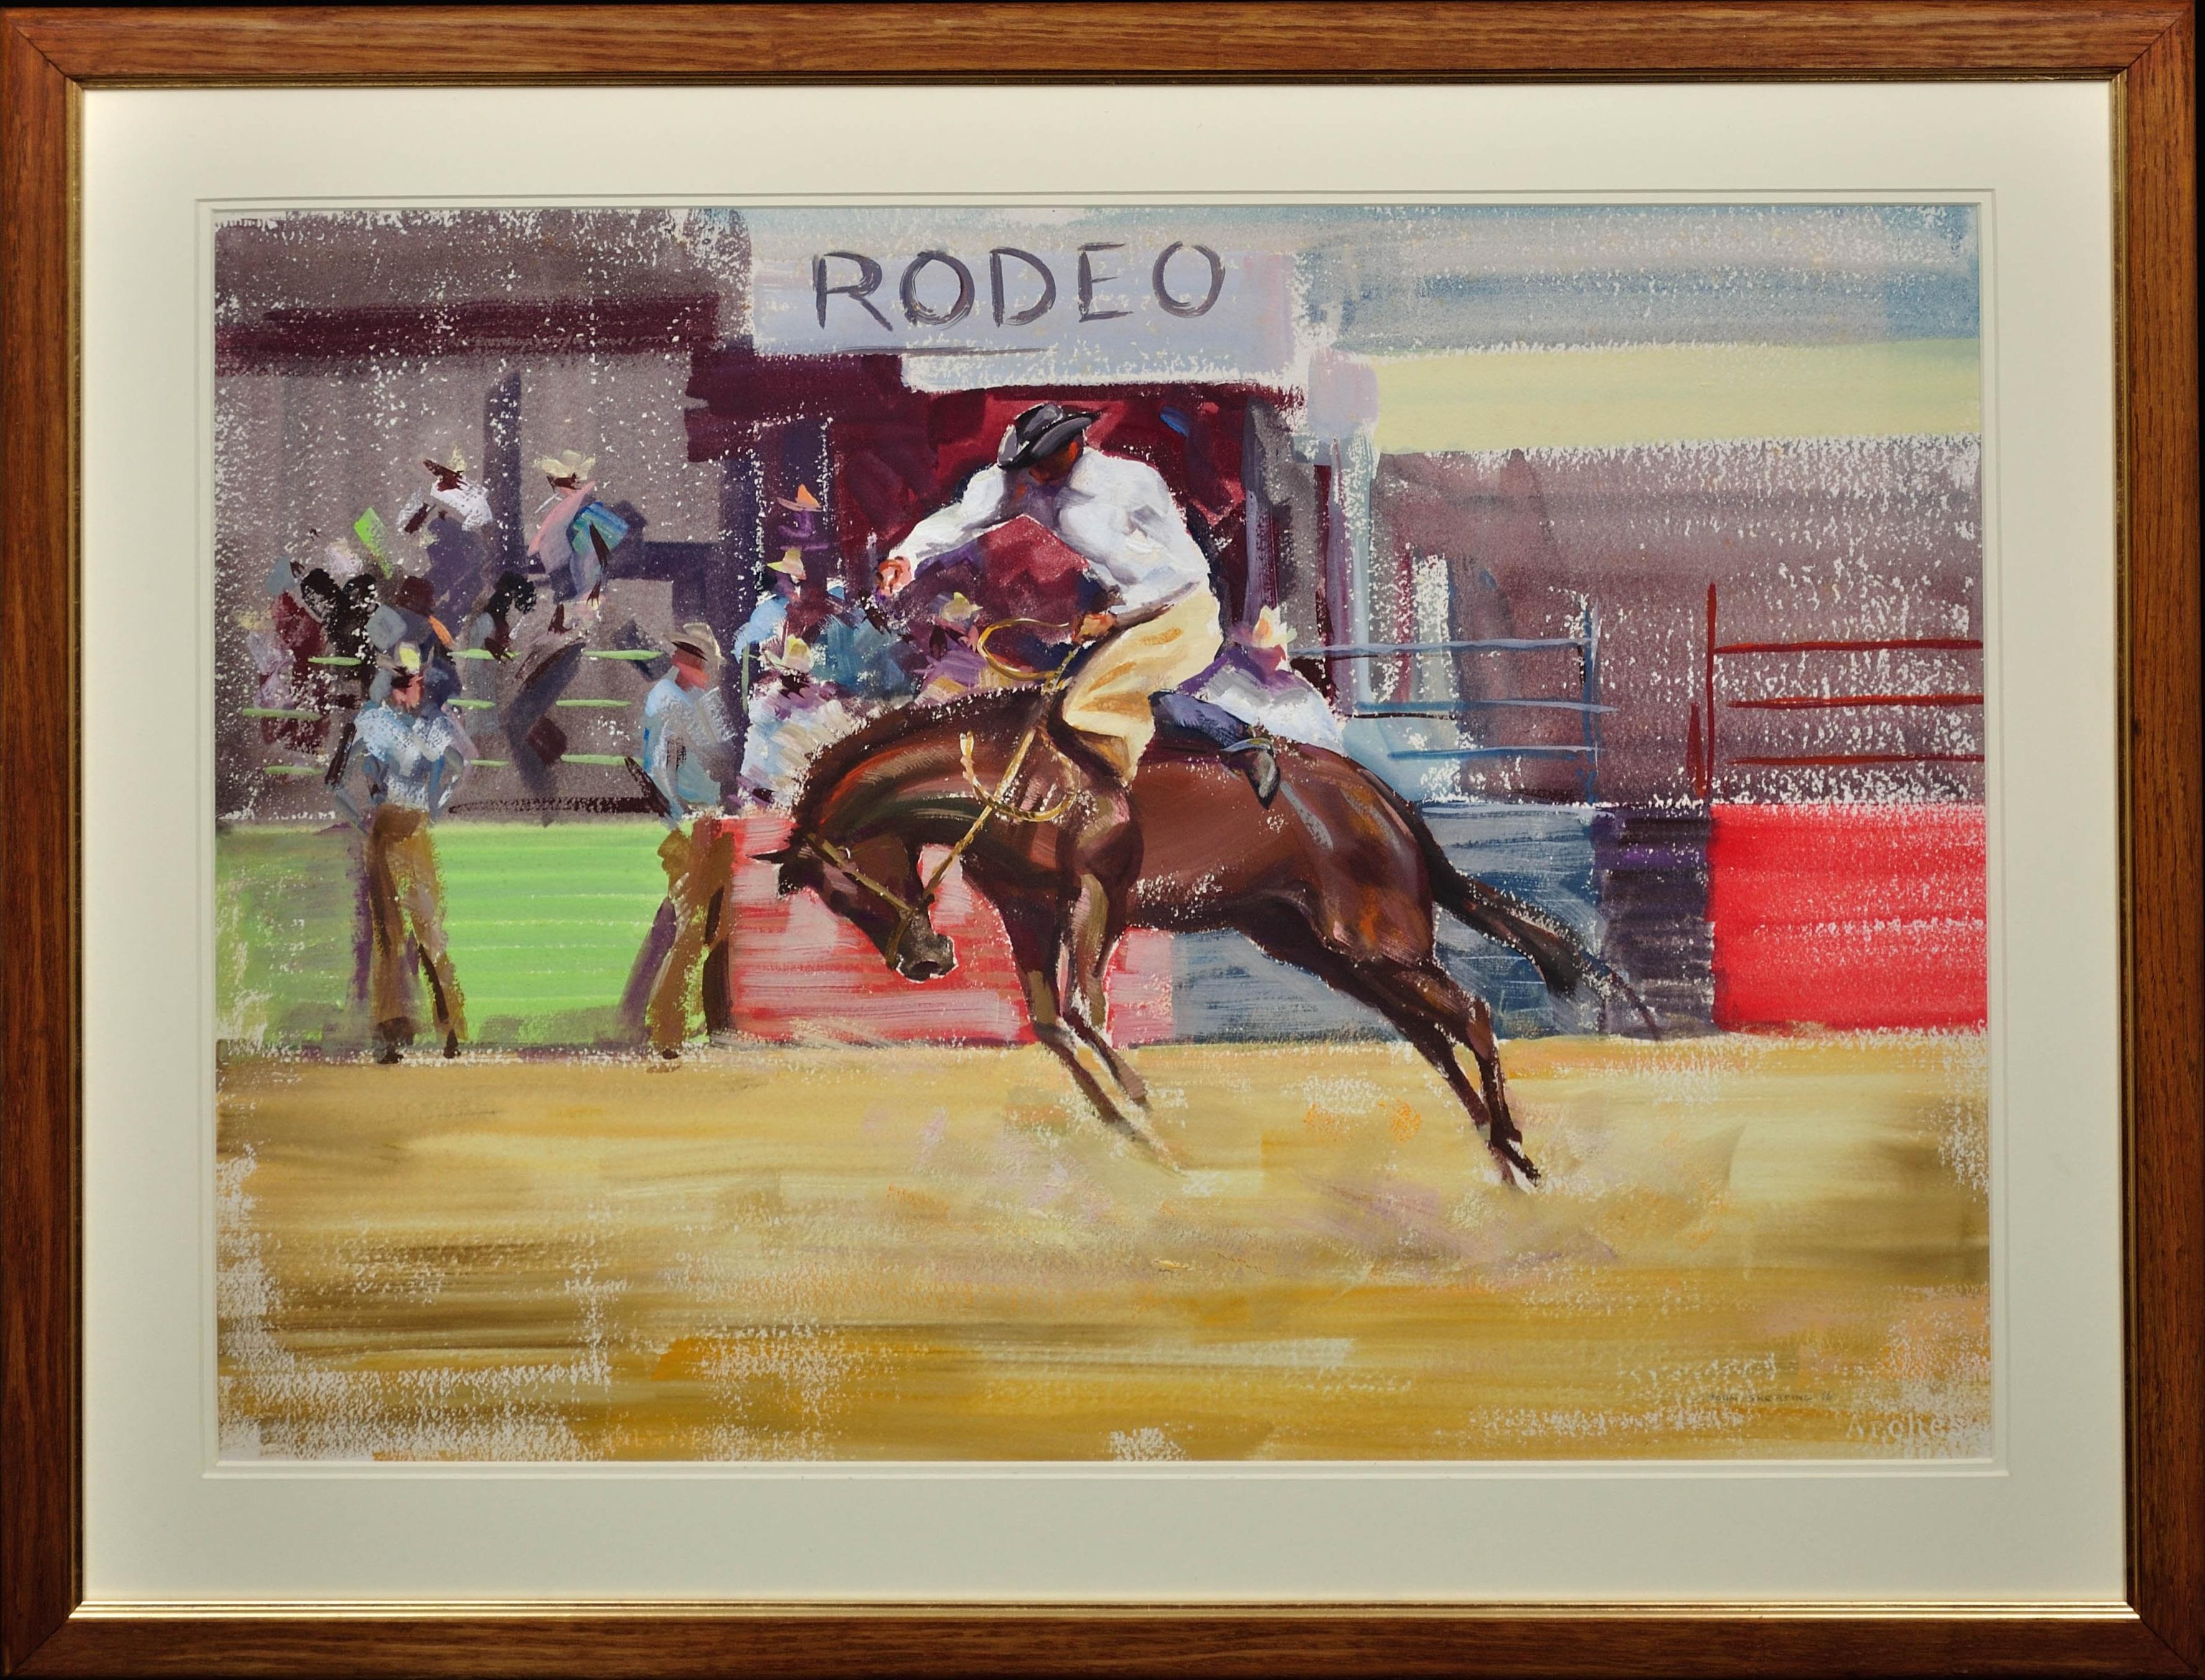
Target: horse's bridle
column 907, row 912
column 992, row 804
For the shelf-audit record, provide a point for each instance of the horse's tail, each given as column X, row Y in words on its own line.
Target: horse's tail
column 1565, row 963
column 1562, row 960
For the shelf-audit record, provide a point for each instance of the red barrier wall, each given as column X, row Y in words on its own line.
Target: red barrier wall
column 803, row 971
column 1848, row 915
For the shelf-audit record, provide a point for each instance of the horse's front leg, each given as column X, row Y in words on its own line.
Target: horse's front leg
column 1096, row 923
column 1037, row 946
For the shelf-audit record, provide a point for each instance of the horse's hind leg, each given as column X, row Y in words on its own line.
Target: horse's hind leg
column 1467, row 1018
column 1410, row 998
column 1035, row 947
column 1404, row 997
column 1121, row 1069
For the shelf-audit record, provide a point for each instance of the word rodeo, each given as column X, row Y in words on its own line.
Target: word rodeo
column 1021, row 286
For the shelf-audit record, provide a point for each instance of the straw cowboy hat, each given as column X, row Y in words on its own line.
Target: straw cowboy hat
column 959, row 611
column 696, row 639
column 791, row 562
column 566, row 464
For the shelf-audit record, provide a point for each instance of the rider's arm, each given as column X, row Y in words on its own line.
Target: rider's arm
column 1168, row 565
column 984, row 505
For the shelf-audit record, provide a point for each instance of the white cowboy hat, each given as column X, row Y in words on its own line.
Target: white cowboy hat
column 696, row 637
column 790, row 562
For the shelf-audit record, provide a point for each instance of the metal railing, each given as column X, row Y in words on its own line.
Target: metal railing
column 1704, row 760
column 1586, row 704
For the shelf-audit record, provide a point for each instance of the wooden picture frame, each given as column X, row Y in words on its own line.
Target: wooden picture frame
column 2143, row 48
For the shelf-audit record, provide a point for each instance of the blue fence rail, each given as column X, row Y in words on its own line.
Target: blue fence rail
column 1586, row 705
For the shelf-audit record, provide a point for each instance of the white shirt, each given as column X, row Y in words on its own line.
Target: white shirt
column 1117, row 513
column 682, row 727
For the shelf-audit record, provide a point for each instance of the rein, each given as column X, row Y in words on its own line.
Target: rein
column 992, row 804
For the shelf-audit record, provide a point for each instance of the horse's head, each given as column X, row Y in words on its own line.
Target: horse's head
column 874, row 885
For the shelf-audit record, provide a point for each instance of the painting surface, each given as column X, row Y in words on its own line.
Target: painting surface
column 698, row 981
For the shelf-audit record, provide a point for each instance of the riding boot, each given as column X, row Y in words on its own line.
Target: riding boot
column 1186, row 719
column 1259, row 764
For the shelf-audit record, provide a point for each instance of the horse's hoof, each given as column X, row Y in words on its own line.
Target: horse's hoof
column 1516, row 1172
column 1148, row 1142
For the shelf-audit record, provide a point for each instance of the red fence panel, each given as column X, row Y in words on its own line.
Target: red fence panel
column 802, row 971
column 1850, row 916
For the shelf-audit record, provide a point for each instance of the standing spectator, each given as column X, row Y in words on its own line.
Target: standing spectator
column 783, row 578
column 284, row 661
column 451, row 496
column 406, row 756
column 578, row 533
column 407, row 617
column 534, row 740
column 452, row 519
column 687, row 734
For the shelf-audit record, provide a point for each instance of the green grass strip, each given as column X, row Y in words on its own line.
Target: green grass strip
column 544, row 923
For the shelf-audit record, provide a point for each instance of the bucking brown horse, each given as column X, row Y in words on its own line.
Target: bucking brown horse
column 1337, row 875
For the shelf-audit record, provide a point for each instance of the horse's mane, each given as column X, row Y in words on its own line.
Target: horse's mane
column 973, row 712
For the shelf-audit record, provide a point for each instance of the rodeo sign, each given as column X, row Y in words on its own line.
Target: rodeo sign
column 974, row 298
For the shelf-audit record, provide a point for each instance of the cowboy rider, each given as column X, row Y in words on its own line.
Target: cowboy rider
column 1160, row 626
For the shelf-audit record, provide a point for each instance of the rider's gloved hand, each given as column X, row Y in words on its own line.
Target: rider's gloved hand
column 1094, row 626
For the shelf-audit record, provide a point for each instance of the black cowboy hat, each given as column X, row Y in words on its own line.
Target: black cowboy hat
column 1040, row 432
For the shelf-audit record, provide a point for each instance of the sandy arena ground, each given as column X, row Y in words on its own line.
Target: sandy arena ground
column 1744, row 1248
